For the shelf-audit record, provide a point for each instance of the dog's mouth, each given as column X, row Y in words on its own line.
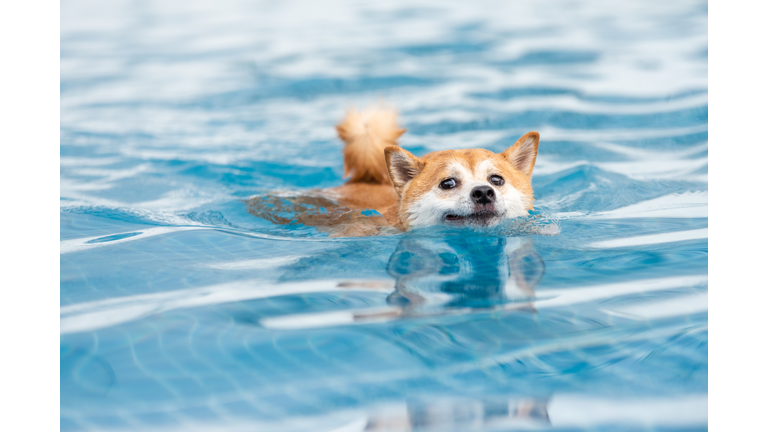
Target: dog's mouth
column 480, row 216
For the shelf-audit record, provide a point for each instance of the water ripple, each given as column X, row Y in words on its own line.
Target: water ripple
column 182, row 310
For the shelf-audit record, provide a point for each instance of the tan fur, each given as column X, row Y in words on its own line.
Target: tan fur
column 381, row 198
column 366, row 134
column 398, row 185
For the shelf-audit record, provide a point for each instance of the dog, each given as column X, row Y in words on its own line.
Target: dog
column 389, row 187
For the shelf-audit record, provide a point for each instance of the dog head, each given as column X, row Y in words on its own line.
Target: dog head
column 476, row 188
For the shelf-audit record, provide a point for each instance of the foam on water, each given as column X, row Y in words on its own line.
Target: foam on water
column 184, row 308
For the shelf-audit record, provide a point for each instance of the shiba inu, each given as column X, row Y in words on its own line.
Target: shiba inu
column 473, row 187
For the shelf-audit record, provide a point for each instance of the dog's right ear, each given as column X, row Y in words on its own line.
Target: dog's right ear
column 402, row 165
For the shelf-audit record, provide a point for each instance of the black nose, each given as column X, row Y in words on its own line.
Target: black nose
column 483, row 195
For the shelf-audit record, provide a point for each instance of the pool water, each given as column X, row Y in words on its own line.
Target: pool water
column 183, row 311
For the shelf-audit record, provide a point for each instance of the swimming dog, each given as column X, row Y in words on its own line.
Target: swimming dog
column 473, row 187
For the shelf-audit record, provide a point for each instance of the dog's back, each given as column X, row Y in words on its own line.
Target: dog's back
column 342, row 211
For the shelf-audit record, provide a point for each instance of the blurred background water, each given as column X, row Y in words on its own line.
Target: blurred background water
column 182, row 311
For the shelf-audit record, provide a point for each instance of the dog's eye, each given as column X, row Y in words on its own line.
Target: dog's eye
column 496, row 180
column 448, row 184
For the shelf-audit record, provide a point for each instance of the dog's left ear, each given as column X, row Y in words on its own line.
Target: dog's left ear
column 522, row 155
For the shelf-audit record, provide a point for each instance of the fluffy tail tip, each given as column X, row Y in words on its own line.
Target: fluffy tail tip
column 366, row 134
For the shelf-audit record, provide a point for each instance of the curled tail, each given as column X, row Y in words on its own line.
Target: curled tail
column 366, row 134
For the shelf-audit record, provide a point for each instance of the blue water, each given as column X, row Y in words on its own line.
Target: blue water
column 182, row 311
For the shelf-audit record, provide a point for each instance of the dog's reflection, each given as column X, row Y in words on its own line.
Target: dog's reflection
column 442, row 276
column 463, row 271
column 451, row 275
column 440, row 415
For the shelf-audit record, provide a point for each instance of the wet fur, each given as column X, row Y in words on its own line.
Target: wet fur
column 404, row 188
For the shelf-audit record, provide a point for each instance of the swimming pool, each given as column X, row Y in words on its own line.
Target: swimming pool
column 180, row 310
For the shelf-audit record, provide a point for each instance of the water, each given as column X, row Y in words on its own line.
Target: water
column 180, row 310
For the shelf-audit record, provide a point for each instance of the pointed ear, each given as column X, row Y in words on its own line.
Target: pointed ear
column 522, row 155
column 402, row 166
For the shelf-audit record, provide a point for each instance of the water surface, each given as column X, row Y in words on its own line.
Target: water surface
column 180, row 310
